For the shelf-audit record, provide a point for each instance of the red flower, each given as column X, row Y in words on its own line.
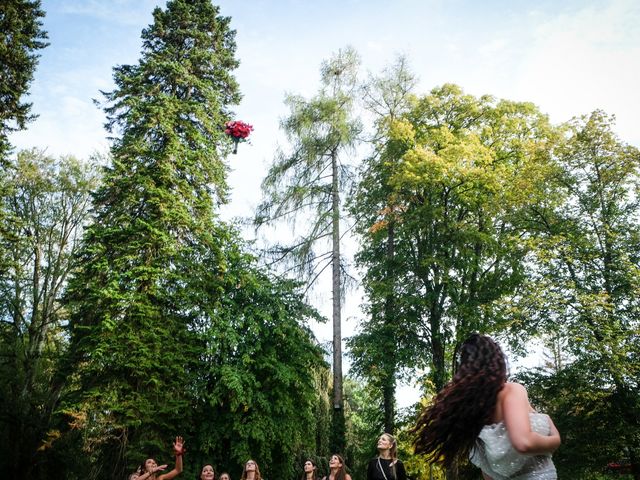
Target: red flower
column 238, row 130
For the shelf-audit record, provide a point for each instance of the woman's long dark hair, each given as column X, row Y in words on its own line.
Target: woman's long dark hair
column 341, row 474
column 315, row 470
column 447, row 429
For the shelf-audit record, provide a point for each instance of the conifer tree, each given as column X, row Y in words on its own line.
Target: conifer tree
column 21, row 36
column 153, row 250
column 312, row 178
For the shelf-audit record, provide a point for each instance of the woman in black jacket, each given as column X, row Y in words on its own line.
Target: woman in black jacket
column 386, row 465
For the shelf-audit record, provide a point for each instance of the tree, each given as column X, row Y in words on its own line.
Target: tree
column 375, row 349
column 586, row 262
column 47, row 202
column 310, row 180
column 458, row 173
column 152, row 251
column 261, row 392
column 21, row 36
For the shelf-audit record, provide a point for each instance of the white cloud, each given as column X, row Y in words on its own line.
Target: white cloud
column 586, row 60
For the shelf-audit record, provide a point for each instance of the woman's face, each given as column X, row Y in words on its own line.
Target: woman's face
column 150, row 464
column 308, row 466
column 224, row 476
column 250, row 466
column 384, row 442
column 335, row 462
column 207, row 473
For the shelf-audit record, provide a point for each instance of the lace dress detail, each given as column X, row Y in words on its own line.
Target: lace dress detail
column 495, row 456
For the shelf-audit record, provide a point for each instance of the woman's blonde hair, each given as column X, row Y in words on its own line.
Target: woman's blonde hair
column 393, row 451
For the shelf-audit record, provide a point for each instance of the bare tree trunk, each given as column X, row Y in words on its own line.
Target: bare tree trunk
column 338, row 402
column 437, row 349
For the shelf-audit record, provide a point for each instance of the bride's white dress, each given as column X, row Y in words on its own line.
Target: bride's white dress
column 495, row 456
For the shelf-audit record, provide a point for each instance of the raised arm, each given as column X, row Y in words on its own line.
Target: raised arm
column 515, row 410
column 178, row 450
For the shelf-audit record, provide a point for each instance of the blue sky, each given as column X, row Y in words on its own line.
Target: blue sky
column 568, row 57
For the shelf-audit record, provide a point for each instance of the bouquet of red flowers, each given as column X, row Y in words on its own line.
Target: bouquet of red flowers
column 238, row 131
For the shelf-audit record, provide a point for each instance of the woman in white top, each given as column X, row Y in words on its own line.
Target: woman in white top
column 481, row 415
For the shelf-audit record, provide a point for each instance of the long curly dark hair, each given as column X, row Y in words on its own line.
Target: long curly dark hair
column 447, row 429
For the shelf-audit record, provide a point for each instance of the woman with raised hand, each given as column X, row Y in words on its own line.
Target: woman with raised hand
column 386, row 465
column 337, row 469
column 150, row 469
column 251, row 471
column 481, row 415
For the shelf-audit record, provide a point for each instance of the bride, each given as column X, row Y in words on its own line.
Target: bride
column 481, row 415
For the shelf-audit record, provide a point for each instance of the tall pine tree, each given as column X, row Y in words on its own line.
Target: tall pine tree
column 21, row 36
column 153, row 245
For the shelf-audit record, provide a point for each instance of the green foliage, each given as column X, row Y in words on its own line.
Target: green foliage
column 363, row 419
column 170, row 108
column 377, row 351
column 416, row 465
column 262, row 392
column 47, row 202
column 586, row 253
column 579, row 399
column 21, row 36
column 450, row 185
column 152, row 255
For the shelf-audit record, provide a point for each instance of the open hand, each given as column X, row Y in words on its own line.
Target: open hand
column 159, row 468
column 178, row 446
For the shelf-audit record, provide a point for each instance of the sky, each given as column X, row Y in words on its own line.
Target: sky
column 569, row 57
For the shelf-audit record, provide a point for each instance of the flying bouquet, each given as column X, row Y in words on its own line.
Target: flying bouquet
column 238, row 131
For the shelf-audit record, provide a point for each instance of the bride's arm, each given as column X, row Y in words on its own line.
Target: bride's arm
column 515, row 409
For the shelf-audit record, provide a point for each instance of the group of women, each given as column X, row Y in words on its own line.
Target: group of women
column 479, row 415
column 384, row 467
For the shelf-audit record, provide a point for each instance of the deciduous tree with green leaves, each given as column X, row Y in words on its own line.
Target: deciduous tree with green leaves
column 261, row 392
column 310, row 180
column 376, row 348
column 587, row 248
column 457, row 174
column 47, row 202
